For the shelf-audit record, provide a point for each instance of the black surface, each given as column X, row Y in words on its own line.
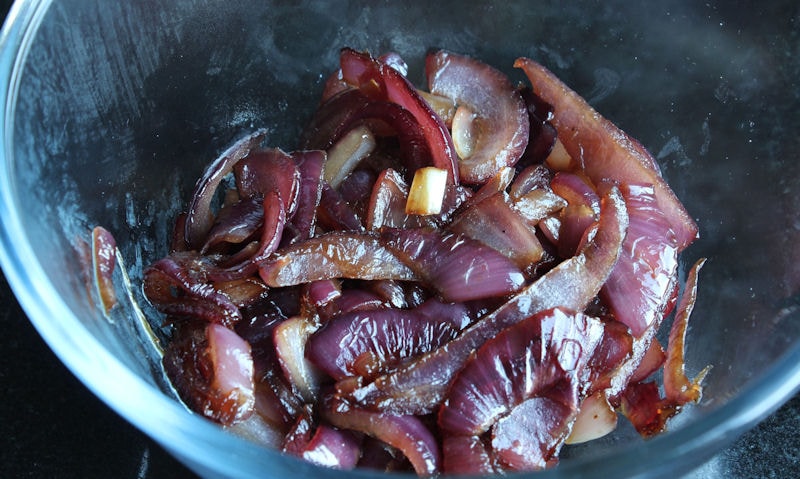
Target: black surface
column 53, row 427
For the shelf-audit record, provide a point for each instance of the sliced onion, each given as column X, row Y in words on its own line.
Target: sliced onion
column 677, row 387
column 639, row 290
column 406, row 433
column 104, row 261
column 595, row 419
column 335, row 214
column 334, row 255
column 212, row 370
column 427, row 192
column 290, row 342
column 199, row 217
column 524, row 386
column 419, row 387
column 177, row 286
column 614, row 155
column 365, row 343
column 492, row 125
column 459, row 268
column 346, row 153
column 496, row 224
column 380, row 82
column 269, row 171
column 331, row 447
column 310, row 165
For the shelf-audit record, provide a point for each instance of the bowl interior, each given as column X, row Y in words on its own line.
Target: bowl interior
column 115, row 108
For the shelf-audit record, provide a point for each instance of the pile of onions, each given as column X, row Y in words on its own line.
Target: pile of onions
column 457, row 279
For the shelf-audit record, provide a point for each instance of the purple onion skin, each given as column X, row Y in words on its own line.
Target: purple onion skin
column 366, row 343
column 310, row 165
column 407, row 433
column 643, row 282
column 420, row 386
column 177, row 287
column 522, row 387
column 458, row 267
column 490, row 95
column 333, row 255
column 199, row 218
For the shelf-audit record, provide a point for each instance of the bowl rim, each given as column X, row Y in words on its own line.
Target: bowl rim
column 189, row 437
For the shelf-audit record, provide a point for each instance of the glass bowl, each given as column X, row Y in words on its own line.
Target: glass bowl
column 111, row 110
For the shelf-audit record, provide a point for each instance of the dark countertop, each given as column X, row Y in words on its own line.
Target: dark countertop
column 53, row 426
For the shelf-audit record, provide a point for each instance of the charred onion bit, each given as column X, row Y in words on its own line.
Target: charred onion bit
column 500, row 126
column 211, row 368
column 677, row 386
column 521, row 389
column 380, row 81
column 199, row 217
column 641, row 402
column 419, row 387
column 603, row 150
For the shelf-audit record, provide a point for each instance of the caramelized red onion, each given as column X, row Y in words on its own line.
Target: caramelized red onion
column 200, row 217
column 420, row 387
column 317, row 302
column 212, row 370
column 501, row 126
column 603, row 150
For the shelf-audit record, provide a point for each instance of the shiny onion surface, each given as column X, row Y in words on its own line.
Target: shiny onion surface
column 457, row 278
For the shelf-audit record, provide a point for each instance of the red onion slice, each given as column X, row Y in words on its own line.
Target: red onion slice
column 639, row 289
column 104, row 261
column 501, row 125
column 524, row 386
column 677, row 387
column 605, row 151
column 177, row 286
column 420, row 387
column 199, row 217
column 381, row 82
column 406, row 433
column 269, row 171
column 334, row 255
column 459, row 268
column 496, row 224
column 212, row 371
column 368, row 342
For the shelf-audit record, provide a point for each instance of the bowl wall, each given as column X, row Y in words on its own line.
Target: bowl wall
column 113, row 109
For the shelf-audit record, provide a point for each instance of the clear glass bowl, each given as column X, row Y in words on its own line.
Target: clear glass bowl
column 112, row 110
